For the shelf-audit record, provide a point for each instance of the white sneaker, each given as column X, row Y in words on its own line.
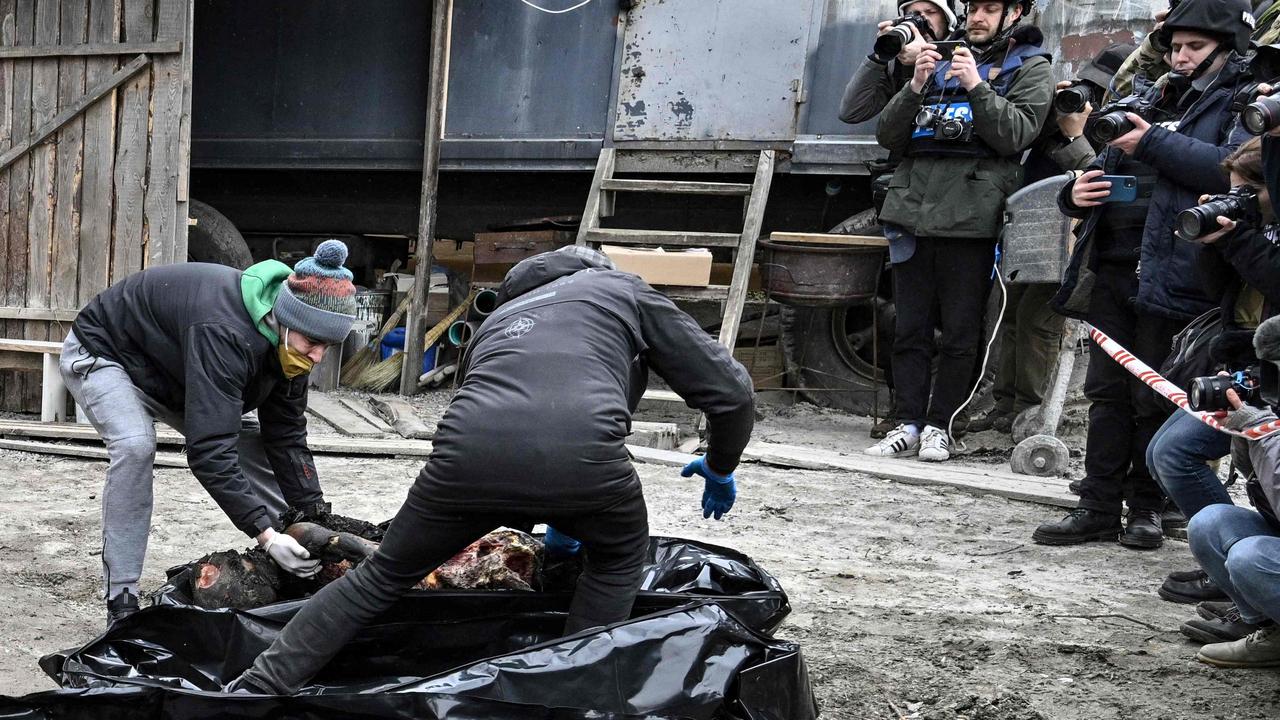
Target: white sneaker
column 900, row 442
column 935, row 445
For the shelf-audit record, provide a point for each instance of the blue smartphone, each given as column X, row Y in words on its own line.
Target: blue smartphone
column 1124, row 188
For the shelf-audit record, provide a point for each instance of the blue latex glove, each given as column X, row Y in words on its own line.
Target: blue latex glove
column 558, row 545
column 719, row 492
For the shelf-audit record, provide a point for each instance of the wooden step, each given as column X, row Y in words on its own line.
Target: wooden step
column 614, row 236
column 662, row 396
column 695, row 294
column 677, row 187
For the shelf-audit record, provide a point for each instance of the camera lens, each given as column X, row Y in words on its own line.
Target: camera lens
column 1109, row 127
column 1209, row 393
column 1072, row 100
column 1261, row 117
column 888, row 45
column 1192, row 222
column 925, row 118
column 951, row 129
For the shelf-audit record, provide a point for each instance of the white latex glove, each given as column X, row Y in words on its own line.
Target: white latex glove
column 291, row 556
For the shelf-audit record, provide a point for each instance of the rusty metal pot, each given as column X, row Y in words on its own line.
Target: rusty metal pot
column 832, row 273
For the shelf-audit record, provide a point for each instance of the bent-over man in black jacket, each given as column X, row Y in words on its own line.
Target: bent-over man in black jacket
column 536, row 434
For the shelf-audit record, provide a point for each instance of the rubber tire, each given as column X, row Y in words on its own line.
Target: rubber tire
column 215, row 239
column 819, row 368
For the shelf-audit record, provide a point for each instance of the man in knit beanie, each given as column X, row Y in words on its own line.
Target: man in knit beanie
column 197, row 346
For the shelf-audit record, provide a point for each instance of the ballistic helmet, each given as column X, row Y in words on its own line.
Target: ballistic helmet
column 1230, row 20
column 1026, row 5
column 943, row 5
column 1102, row 68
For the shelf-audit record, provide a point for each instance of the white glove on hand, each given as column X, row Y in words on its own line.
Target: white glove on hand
column 291, row 556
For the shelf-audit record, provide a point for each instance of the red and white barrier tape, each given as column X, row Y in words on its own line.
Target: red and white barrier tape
column 1157, row 382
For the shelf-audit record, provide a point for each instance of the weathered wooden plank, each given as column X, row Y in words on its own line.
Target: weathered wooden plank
column 9, row 380
column 71, row 112
column 130, row 173
column 174, row 460
column 596, row 203
column 161, row 202
column 91, row 49
column 676, row 187
column 20, row 395
column 359, row 407
column 182, row 227
column 99, row 156
column 616, row 236
column 10, row 360
column 402, row 416
column 44, row 106
column 1044, row 491
column 340, row 417
column 826, row 239
column 8, row 312
column 745, row 256
column 656, row 435
column 66, row 212
column 31, row 346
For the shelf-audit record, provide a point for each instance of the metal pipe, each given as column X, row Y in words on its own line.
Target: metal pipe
column 461, row 332
column 485, row 303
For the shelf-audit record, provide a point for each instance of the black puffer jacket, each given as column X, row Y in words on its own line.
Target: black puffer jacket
column 552, row 377
column 1187, row 156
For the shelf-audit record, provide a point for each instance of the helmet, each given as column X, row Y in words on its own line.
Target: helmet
column 1026, row 5
column 1231, row 20
column 942, row 5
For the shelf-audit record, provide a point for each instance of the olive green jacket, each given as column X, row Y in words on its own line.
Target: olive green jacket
column 964, row 197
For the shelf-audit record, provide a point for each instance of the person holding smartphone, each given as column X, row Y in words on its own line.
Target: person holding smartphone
column 1129, row 277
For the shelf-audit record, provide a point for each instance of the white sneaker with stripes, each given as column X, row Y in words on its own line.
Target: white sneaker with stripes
column 935, row 444
column 900, row 442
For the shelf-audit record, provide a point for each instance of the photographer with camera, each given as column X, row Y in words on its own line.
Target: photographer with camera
column 961, row 126
column 1239, row 548
column 892, row 60
column 1167, row 144
column 1030, row 331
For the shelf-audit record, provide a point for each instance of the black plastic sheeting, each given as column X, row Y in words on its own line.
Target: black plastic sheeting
column 698, row 646
column 677, row 571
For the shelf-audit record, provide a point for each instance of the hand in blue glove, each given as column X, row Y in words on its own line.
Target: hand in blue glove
column 719, row 492
column 558, row 545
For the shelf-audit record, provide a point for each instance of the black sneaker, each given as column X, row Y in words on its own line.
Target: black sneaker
column 1080, row 526
column 1142, row 530
column 1190, row 587
column 1073, row 487
column 1212, row 609
column 121, row 607
column 1228, row 628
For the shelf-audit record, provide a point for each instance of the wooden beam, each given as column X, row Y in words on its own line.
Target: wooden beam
column 827, row 239
column 31, row 346
column 359, row 407
column 340, row 417
column 26, row 313
column 416, row 324
column 90, row 49
column 91, row 96
column 173, row 460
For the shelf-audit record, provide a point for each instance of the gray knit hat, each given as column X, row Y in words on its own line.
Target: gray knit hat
column 318, row 298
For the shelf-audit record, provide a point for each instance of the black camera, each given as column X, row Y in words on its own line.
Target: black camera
column 1262, row 116
column 1209, row 394
column 1112, row 121
column 950, row 129
column 1072, row 99
column 888, row 45
column 1240, row 205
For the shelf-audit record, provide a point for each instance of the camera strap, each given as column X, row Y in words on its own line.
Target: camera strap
column 1171, row 392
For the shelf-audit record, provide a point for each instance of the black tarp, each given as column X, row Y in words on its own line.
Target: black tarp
column 698, row 646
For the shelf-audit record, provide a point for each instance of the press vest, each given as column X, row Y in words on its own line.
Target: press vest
column 950, row 100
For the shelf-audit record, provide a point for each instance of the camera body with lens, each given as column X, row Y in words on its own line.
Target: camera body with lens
column 955, row 129
column 1073, row 99
column 1112, row 120
column 1209, row 394
column 890, row 43
column 1262, row 115
column 1240, row 205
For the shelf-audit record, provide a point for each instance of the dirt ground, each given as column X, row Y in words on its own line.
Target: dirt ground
column 909, row 602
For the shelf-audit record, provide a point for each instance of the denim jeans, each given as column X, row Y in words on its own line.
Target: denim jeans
column 1178, row 457
column 1241, row 553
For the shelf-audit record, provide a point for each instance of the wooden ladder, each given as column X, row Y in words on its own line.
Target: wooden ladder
column 600, row 204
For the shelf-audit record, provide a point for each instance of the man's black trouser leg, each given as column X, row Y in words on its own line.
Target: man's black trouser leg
column 423, row 535
column 1124, row 414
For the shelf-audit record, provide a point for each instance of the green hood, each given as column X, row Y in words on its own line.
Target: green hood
column 259, row 285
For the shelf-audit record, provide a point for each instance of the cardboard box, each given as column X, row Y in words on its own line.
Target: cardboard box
column 658, row 266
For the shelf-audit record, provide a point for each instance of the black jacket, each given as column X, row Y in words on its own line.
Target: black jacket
column 183, row 335
column 552, row 377
column 1188, row 162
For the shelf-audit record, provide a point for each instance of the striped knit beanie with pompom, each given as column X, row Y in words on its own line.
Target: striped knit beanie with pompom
column 318, row 298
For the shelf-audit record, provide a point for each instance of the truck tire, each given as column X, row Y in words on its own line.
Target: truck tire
column 828, row 354
column 214, row 239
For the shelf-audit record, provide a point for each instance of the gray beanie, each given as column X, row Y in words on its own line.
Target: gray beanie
column 318, row 298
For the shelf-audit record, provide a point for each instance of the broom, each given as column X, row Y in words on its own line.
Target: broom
column 357, row 365
column 382, row 375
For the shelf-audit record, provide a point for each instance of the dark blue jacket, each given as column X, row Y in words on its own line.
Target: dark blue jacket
column 1187, row 154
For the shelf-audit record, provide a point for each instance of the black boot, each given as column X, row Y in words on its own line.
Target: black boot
column 1211, row 609
column 1192, row 586
column 121, row 607
column 1228, row 628
column 1082, row 525
column 1142, row 530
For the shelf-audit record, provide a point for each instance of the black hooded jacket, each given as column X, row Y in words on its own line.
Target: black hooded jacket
column 551, row 379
